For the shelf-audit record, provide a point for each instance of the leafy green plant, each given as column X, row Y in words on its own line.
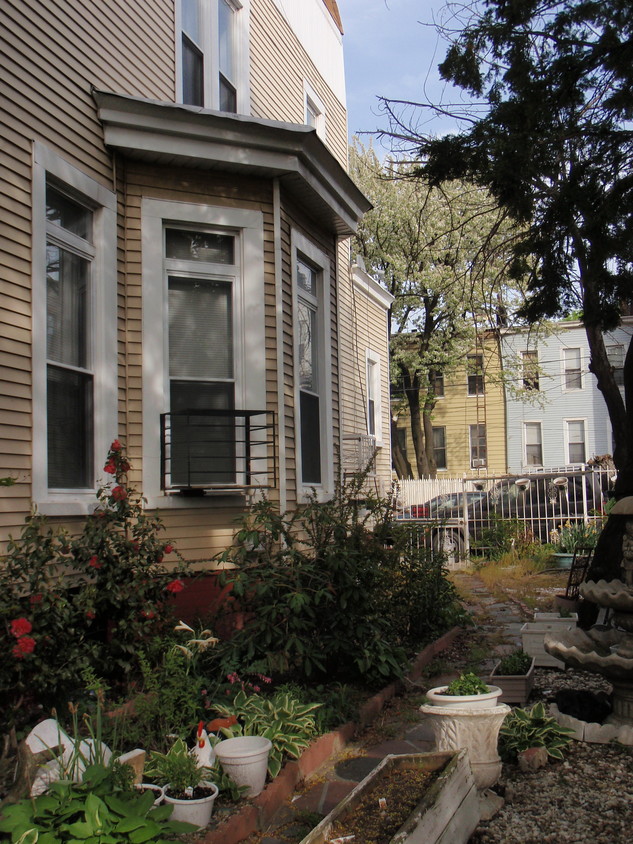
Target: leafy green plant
column 94, row 811
column 69, row 602
column 518, row 662
column 288, row 723
column 523, row 729
column 467, row 684
column 178, row 768
column 574, row 535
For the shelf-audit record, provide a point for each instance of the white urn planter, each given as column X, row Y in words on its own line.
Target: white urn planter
column 438, row 697
column 245, row 760
column 474, row 728
column 194, row 811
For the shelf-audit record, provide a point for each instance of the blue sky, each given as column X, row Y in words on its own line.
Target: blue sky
column 391, row 51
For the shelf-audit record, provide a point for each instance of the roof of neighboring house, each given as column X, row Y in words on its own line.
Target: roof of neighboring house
column 332, row 8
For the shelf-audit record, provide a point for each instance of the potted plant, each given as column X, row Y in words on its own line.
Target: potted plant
column 569, row 537
column 185, row 784
column 514, row 674
column 467, row 690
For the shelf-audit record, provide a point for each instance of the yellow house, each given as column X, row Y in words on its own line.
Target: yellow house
column 469, row 431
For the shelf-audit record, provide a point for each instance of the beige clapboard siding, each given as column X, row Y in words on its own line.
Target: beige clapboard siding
column 277, row 77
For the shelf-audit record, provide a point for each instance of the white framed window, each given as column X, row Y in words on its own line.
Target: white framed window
column 439, row 447
column 475, row 375
column 314, row 110
column 212, row 54
column 478, row 446
column 575, row 440
column 572, row 369
column 529, row 369
column 437, row 385
column 615, row 355
column 202, row 271
column 374, row 395
column 313, row 397
column 74, row 333
column 533, row 444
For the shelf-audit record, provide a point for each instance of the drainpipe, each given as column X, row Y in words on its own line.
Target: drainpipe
column 279, row 328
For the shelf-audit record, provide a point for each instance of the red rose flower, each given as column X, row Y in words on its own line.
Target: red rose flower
column 20, row 626
column 24, row 645
column 110, row 468
column 35, row 599
column 116, row 446
column 168, row 549
column 175, row 586
column 94, row 563
column 125, row 466
column 148, row 614
column 90, row 614
column 119, row 493
column 135, row 546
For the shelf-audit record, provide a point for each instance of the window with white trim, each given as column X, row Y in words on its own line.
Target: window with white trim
column 575, row 435
column 478, row 446
column 475, row 374
column 74, row 331
column 533, row 439
column 439, row 447
column 374, row 403
column 572, row 371
column 615, row 354
column 314, row 110
column 529, row 367
column 213, row 54
column 312, row 365
column 202, row 271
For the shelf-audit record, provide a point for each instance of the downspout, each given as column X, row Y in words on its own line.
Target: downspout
column 279, row 328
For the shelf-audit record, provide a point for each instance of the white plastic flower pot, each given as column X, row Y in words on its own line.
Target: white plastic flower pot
column 245, row 760
column 148, row 786
column 197, row 812
column 437, row 697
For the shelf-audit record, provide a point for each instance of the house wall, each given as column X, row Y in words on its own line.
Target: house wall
column 552, row 405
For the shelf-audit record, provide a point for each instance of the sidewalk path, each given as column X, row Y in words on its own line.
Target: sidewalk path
column 401, row 728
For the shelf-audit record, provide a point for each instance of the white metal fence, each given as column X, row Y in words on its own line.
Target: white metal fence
column 459, row 514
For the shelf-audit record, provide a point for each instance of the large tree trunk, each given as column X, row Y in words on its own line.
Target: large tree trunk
column 412, row 392
column 400, row 462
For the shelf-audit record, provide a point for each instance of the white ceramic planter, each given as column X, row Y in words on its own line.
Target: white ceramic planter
column 197, row 812
column 158, row 790
column 436, row 697
column 447, row 813
column 245, row 760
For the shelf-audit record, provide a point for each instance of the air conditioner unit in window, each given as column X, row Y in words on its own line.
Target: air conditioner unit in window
column 478, row 463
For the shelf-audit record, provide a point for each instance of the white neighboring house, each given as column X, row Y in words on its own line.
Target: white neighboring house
column 555, row 414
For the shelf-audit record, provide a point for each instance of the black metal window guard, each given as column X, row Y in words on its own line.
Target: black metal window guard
column 218, row 450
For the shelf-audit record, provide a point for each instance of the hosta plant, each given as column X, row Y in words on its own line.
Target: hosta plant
column 288, row 723
column 523, row 729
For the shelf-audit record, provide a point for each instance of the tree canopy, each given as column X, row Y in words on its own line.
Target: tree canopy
column 551, row 138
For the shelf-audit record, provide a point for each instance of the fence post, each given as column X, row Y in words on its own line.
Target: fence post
column 465, row 515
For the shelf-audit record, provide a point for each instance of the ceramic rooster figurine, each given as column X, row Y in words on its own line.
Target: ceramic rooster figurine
column 203, row 750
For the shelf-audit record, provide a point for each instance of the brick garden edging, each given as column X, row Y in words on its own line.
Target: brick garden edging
column 255, row 816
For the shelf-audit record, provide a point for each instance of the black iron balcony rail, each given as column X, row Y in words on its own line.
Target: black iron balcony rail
column 218, row 450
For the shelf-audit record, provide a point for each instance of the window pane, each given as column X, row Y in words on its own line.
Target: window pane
column 70, row 435
column 573, row 378
column 306, row 278
column 192, row 73
column 68, row 214
column 478, row 450
column 226, row 40
column 530, row 370
column 228, row 96
column 474, row 364
column 616, row 359
column 310, row 438
column 307, row 327
column 200, row 246
column 439, row 447
column 66, row 307
column 200, row 329
column 533, row 444
column 190, row 11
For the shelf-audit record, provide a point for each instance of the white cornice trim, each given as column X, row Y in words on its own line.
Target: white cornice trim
column 371, row 288
column 168, row 133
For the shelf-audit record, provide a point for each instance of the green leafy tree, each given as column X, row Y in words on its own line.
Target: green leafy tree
column 550, row 137
column 443, row 254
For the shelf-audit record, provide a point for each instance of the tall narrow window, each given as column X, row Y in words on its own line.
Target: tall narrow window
column 616, row 359
column 533, row 444
column 529, row 361
column 193, row 46
column 572, row 374
column 437, row 385
column 576, row 440
column 227, row 71
column 201, row 373
column 475, row 371
column 69, row 368
column 371, row 397
column 439, row 447
column 308, row 363
column 478, row 446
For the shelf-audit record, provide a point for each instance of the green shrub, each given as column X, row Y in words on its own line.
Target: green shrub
column 177, row 768
column 467, row 684
column 517, row 662
column 523, row 729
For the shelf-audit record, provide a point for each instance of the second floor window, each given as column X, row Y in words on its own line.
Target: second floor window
column 572, row 374
column 209, row 53
column 529, row 366
column 616, row 359
column 475, row 370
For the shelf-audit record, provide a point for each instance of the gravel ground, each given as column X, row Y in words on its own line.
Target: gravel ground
column 586, row 799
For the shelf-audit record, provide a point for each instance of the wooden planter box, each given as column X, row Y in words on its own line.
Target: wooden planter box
column 448, row 812
column 533, row 634
column 515, row 688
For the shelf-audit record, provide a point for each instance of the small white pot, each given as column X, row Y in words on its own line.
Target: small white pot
column 436, row 697
column 197, row 812
column 158, row 790
column 245, row 760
